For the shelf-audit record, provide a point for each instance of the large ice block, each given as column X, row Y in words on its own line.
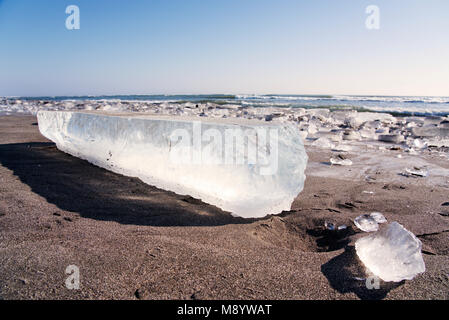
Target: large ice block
column 247, row 167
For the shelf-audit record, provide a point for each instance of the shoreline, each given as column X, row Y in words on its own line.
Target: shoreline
column 400, row 106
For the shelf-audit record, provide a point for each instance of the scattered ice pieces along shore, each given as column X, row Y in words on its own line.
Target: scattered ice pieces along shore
column 337, row 130
column 258, row 175
column 392, row 254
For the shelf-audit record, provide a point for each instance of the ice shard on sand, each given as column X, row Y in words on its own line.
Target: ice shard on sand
column 392, row 254
column 249, row 168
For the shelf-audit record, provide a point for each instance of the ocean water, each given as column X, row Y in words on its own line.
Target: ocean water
column 391, row 104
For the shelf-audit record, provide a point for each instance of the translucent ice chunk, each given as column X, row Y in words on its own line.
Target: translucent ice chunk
column 351, row 135
column 341, row 162
column 378, row 217
column 368, row 134
column 419, row 144
column 323, row 143
column 392, row 254
column 312, row 129
column 342, row 148
column 412, row 151
column 369, row 222
column 392, row 138
column 329, row 225
column 259, row 170
column 366, row 223
column 416, row 172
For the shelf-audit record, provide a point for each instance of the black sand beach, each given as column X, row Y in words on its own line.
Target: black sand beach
column 134, row 241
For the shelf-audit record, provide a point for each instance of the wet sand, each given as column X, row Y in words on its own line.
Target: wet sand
column 134, row 241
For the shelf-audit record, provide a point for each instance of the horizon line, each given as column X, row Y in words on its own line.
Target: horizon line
column 220, row 94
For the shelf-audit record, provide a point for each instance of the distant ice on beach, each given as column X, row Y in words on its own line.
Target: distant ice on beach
column 337, row 123
column 406, row 105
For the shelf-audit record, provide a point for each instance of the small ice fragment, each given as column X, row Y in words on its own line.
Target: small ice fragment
column 352, row 122
column 419, row 144
column 341, row 162
column 391, row 138
column 368, row 134
column 324, row 143
column 412, row 151
column 392, row 254
column 399, row 156
column 366, row 223
column 359, row 279
column 312, row 129
column 342, row 227
column 351, row 135
column 342, row 148
column 383, row 130
column 415, row 172
column 368, row 192
column 329, row 225
column 378, row 217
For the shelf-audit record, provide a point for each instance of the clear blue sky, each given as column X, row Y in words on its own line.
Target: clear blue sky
column 224, row 46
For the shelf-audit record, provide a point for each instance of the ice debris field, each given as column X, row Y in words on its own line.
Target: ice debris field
column 380, row 146
column 333, row 129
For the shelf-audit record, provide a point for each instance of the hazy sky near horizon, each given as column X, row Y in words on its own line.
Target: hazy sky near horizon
column 224, row 46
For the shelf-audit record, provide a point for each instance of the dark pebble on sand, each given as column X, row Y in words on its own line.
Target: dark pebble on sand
column 138, row 294
column 193, row 296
